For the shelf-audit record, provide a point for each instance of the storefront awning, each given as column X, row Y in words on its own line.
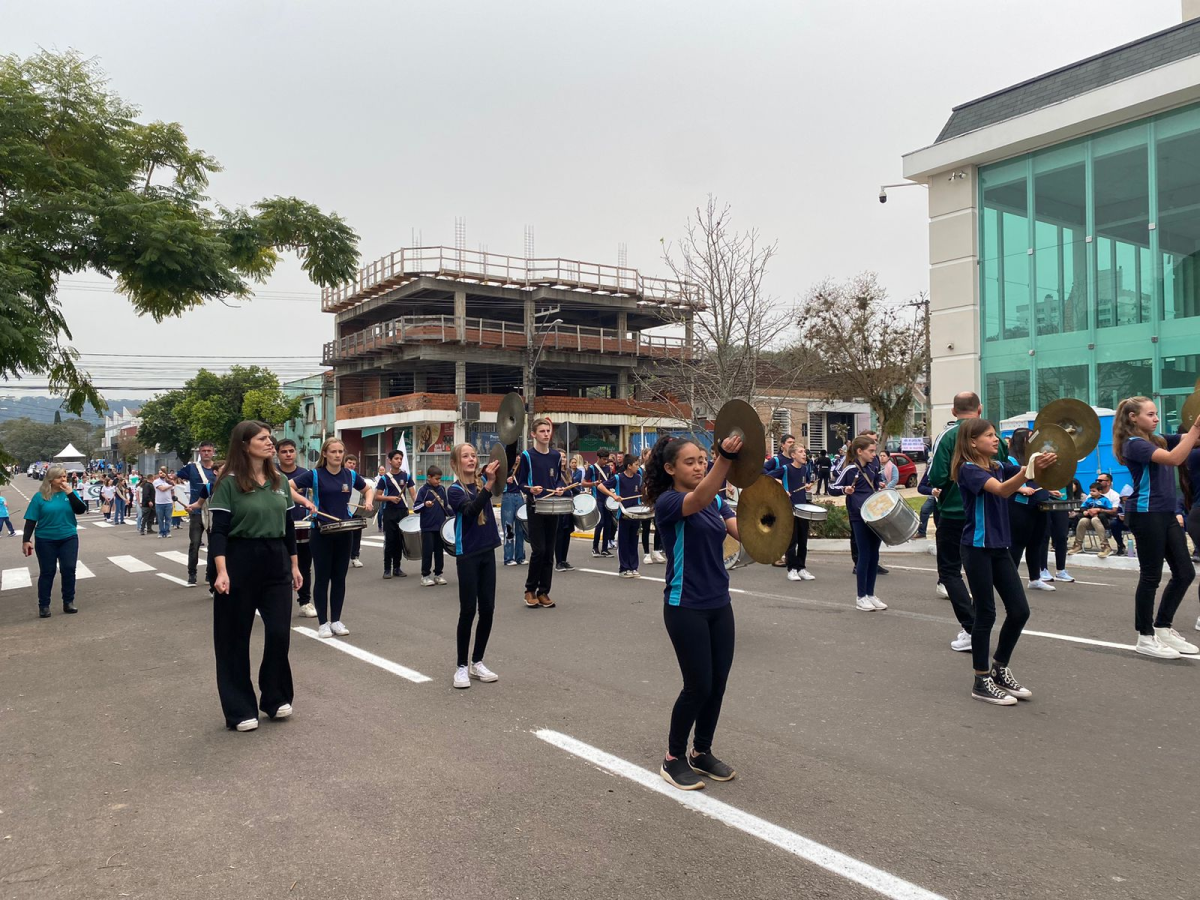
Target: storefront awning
column 371, row 432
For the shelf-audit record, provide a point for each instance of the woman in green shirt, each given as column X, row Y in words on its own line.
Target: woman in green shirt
column 52, row 514
column 253, row 544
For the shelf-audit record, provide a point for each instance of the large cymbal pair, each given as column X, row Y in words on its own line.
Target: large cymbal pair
column 510, row 418
column 764, row 510
column 1068, row 428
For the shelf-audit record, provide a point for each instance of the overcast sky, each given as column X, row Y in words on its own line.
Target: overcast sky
column 597, row 124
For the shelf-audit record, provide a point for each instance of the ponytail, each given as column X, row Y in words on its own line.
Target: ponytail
column 656, row 480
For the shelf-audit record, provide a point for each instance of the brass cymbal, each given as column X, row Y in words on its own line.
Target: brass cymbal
column 500, row 455
column 510, row 418
column 764, row 517
column 1191, row 409
column 1076, row 418
column 738, row 417
column 1054, row 439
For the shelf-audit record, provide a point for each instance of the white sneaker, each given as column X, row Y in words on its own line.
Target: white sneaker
column 634, row 573
column 1063, row 575
column 308, row 611
column 942, row 592
column 1039, row 586
column 284, row 711
column 864, row 604
column 876, row 602
column 461, row 677
column 648, row 559
column 1169, row 637
column 962, row 643
column 1046, row 576
column 482, row 672
column 793, row 575
column 324, row 631
column 1149, row 645
column 1198, row 624
column 511, row 562
column 247, row 725
column 658, row 556
column 357, row 563
column 339, row 629
column 806, row 575
column 438, row 579
column 427, row 582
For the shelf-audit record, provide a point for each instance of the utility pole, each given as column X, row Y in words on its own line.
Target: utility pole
column 535, row 344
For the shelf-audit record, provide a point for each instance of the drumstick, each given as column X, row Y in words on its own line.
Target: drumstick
column 328, row 516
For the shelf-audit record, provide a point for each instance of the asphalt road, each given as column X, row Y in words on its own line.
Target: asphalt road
column 852, row 730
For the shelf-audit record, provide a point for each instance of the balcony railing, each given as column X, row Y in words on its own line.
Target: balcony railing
column 493, row 268
column 495, row 334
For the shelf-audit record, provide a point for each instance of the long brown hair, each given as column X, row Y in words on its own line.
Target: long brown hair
column 969, row 430
column 456, row 467
column 1124, row 429
column 238, row 464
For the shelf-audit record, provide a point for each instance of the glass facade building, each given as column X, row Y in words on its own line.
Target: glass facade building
column 1089, row 277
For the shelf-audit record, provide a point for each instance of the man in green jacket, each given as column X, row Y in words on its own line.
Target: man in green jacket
column 952, row 520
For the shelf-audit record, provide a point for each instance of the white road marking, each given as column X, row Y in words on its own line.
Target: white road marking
column 11, row 579
column 366, row 656
column 82, row 571
column 1092, row 642
column 103, row 524
column 934, row 571
column 174, row 556
column 826, row 857
column 172, row 578
column 372, row 542
column 131, row 564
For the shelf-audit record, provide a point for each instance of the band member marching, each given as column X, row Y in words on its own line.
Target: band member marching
column 1150, row 513
column 697, row 609
column 540, row 475
column 797, row 478
column 394, row 490
column 626, row 488
column 476, row 539
column 598, row 473
column 287, row 465
column 858, row 479
column 331, row 485
column 656, row 556
column 434, row 506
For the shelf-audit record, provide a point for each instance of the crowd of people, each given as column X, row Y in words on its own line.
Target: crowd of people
column 279, row 531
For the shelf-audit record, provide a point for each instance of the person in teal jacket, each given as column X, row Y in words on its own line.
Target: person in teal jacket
column 4, row 518
column 51, row 514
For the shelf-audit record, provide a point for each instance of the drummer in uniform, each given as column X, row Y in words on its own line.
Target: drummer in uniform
column 287, row 465
column 434, row 506
column 797, row 477
column 540, row 475
column 394, row 489
column 598, row 473
column 626, row 488
column 783, row 458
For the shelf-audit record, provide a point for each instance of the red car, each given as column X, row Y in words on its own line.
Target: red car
column 908, row 470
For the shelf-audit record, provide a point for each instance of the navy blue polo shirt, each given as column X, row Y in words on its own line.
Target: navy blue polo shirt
column 1153, row 484
column 694, row 545
column 536, row 469
column 794, row 480
column 432, row 517
column 987, row 523
column 469, row 536
column 598, row 474
column 625, row 486
column 865, row 480
column 332, row 494
column 385, row 487
column 297, row 512
column 197, row 489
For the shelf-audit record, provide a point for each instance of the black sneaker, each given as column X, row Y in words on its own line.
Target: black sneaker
column 387, row 574
column 69, row 609
column 567, row 567
column 604, row 554
column 881, row 570
column 1121, row 552
column 559, row 567
column 707, row 764
column 1003, row 677
column 596, row 554
column 399, row 573
column 191, row 581
column 679, row 773
column 43, row 612
column 989, row 692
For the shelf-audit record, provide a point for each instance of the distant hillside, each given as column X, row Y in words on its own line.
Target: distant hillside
column 42, row 409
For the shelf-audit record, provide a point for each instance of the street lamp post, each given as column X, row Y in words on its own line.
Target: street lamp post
column 535, row 348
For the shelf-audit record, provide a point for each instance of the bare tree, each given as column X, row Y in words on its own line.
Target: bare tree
column 733, row 322
column 875, row 350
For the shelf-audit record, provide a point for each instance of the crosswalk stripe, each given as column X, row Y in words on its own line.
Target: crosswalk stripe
column 103, row 524
column 172, row 578
column 82, row 571
column 174, row 556
column 15, row 578
column 131, row 564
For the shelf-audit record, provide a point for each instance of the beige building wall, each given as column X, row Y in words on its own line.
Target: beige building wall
column 953, row 289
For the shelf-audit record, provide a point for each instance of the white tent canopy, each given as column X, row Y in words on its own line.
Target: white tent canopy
column 69, row 452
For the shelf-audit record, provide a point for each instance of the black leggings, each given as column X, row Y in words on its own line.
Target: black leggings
column 543, row 537
column 331, row 559
column 989, row 568
column 646, row 537
column 797, row 551
column 604, row 530
column 1028, row 524
column 476, row 590
column 562, row 541
column 1192, row 523
column 1058, row 528
column 1159, row 537
column 304, row 561
column 703, row 641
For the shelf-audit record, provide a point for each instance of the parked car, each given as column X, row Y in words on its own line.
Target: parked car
column 908, row 469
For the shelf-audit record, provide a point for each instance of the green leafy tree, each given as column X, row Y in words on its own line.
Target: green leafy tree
column 210, row 405
column 28, row 441
column 84, row 185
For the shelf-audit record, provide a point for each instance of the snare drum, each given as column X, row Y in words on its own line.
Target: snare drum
column 410, row 537
column 810, row 511
column 639, row 512
column 342, row 527
column 1060, row 505
column 553, row 506
column 613, row 504
column 585, row 512
column 303, row 531
column 886, row 513
column 523, row 513
column 734, row 554
column 448, row 540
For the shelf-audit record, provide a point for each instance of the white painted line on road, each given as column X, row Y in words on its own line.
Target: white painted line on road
column 372, row 542
column 366, row 656
column 172, row 578
column 11, row 579
column 82, row 571
column 1070, row 638
column 934, row 571
column 103, row 524
column 131, row 564
column 826, row 857
column 174, row 556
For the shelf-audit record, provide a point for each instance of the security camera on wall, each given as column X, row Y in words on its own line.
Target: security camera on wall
column 883, row 196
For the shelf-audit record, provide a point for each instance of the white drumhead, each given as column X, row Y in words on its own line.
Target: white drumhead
column 448, row 531
column 583, row 504
column 880, row 504
column 411, row 523
column 612, row 504
column 523, row 513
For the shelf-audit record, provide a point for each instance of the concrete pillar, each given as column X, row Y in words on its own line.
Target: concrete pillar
column 623, row 383
column 460, row 315
column 527, row 381
column 460, row 395
column 622, row 327
column 419, row 382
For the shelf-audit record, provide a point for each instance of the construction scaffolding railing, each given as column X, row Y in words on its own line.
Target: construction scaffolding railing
column 493, row 268
column 496, row 334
